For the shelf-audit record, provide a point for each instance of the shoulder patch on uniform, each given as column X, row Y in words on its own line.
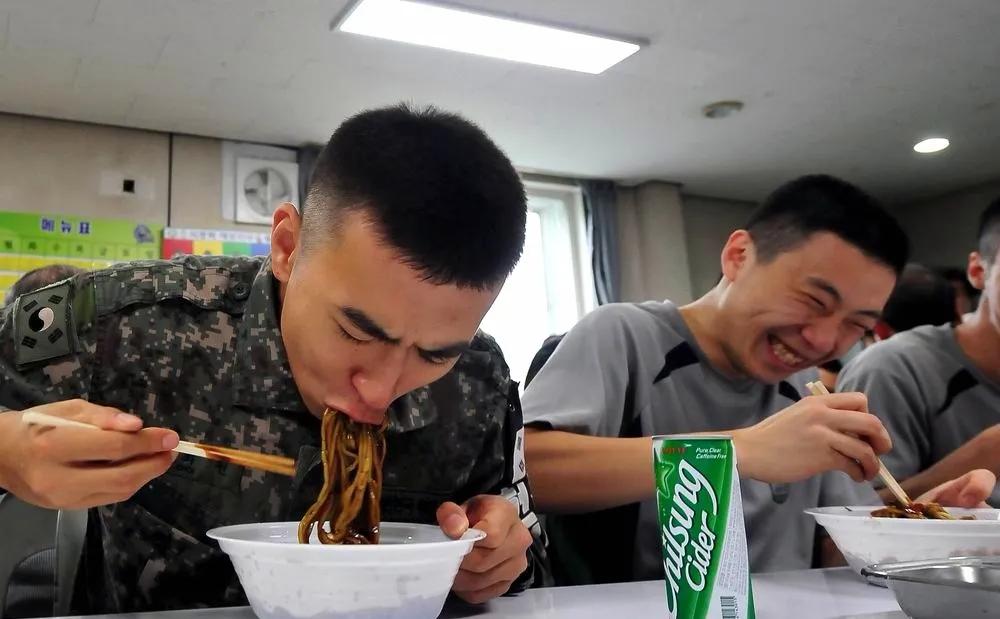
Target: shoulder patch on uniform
column 206, row 282
column 44, row 326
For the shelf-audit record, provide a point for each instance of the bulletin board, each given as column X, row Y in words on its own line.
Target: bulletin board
column 32, row 240
column 179, row 241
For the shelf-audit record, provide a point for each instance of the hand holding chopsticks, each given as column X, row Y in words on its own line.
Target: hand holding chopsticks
column 249, row 459
column 817, row 388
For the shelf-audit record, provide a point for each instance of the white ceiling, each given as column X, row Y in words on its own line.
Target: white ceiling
column 838, row 86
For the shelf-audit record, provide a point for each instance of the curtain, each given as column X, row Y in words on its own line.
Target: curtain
column 599, row 199
column 653, row 258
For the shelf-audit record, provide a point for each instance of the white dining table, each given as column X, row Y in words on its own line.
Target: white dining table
column 810, row 594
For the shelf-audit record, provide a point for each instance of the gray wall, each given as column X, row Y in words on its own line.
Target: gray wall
column 670, row 243
column 57, row 166
column 61, row 167
column 943, row 229
column 708, row 222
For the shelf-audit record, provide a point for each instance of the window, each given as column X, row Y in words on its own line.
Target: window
column 553, row 284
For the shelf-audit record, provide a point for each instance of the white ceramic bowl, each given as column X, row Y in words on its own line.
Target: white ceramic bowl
column 406, row 576
column 865, row 540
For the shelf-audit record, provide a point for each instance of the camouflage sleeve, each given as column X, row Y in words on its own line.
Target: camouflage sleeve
column 508, row 475
column 46, row 345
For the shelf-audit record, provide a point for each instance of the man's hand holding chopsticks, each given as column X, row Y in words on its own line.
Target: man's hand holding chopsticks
column 815, row 435
column 75, row 468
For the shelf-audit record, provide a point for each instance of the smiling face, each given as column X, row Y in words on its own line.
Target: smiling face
column 360, row 326
column 806, row 306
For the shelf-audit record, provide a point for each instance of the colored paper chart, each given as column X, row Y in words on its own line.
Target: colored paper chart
column 180, row 241
column 30, row 240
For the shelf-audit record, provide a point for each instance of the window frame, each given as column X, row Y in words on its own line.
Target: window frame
column 572, row 198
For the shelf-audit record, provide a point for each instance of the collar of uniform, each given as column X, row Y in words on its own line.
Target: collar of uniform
column 413, row 411
column 261, row 373
column 459, row 392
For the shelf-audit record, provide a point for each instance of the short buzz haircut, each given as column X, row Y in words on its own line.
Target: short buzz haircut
column 921, row 297
column 819, row 203
column 434, row 187
column 40, row 278
column 989, row 232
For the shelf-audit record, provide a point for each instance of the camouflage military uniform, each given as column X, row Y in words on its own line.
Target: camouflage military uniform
column 193, row 344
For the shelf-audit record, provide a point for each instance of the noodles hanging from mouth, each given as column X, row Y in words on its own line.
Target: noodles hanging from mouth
column 352, row 456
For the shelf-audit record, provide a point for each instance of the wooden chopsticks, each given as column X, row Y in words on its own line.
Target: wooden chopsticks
column 818, row 388
column 248, row 459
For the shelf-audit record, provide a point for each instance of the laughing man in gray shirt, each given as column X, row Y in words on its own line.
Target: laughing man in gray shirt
column 801, row 284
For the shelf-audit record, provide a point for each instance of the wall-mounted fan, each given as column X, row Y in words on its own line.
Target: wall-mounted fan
column 261, row 186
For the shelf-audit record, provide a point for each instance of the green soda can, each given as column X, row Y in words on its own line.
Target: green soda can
column 704, row 538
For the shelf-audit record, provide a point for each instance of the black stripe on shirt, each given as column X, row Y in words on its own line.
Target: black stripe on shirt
column 959, row 383
column 786, row 389
column 683, row 355
column 680, row 356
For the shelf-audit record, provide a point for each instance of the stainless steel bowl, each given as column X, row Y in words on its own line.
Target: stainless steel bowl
column 957, row 588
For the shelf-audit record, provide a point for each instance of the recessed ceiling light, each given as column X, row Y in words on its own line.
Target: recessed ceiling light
column 460, row 30
column 931, row 145
column 721, row 109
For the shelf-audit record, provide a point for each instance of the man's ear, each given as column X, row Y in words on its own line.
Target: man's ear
column 286, row 232
column 737, row 254
column 976, row 271
column 883, row 331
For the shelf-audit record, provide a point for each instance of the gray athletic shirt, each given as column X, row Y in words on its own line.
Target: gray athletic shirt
column 626, row 361
column 929, row 395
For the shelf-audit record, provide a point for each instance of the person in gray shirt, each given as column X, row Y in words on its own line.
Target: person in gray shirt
column 801, row 284
column 921, row 297
column 937, row 389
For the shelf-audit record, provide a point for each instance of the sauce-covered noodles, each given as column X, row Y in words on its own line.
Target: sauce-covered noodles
column 347, row 509
column 917, row 511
